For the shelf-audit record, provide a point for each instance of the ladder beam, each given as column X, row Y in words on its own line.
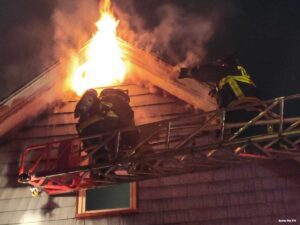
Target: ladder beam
column 175, row 152
column 181, row 145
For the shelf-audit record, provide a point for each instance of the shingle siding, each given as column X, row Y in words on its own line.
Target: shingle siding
column 37, row 215
column 253, row 193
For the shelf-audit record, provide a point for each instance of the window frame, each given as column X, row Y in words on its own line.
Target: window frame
column 81, row 212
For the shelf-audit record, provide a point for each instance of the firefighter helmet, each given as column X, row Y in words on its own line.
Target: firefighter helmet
column 86, row 102
column 111, row 91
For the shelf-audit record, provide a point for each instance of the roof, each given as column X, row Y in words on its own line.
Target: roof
column 49, row 88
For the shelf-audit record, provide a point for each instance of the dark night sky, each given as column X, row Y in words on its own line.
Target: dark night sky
column 266, row 34
column 25, row 30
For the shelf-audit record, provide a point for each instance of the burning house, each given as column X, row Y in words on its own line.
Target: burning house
column 185, row 177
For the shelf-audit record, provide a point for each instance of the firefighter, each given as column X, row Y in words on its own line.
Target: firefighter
column 234, row 85
column 95, row 117
column 119, row 101
column 110, row 111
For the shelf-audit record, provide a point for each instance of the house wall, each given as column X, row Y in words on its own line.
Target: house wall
column 247, row 194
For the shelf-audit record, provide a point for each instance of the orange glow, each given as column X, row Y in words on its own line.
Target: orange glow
column 104, row 65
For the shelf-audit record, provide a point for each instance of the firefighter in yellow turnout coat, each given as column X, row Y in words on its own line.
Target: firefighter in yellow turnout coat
column 234, row 85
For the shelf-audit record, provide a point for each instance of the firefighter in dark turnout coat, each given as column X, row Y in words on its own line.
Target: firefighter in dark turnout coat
column 110, row 111
column 119, row 101
column 94, row 115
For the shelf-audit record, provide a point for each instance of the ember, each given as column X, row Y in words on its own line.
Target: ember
column 104, row 65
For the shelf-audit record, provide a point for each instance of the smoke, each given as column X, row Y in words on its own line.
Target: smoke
column 57, row 29
column 74, row 24
column 174, row 34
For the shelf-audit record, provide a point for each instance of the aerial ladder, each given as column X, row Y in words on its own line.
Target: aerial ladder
column 186, row 144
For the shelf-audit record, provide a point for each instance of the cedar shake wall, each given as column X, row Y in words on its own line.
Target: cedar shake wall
column 246, row 194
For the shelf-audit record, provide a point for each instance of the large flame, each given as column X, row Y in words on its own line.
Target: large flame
column 104, row 65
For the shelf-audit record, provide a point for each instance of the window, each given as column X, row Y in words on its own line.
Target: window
column 108, row 200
